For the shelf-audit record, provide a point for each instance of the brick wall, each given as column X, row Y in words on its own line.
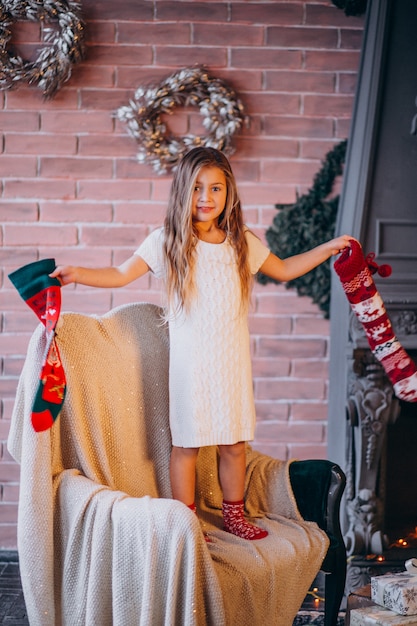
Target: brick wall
column 71, row 189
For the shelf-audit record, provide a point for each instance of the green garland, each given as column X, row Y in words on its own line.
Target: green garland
column 309, row 222
column 351, row 7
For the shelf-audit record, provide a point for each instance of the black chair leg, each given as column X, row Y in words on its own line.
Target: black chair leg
column 334, row 590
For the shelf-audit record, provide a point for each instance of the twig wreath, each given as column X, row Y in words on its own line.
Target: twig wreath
column 64, row 45
column 309, row 222
column 222, row 112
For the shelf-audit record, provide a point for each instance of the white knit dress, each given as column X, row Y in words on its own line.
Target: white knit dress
column 210, row 376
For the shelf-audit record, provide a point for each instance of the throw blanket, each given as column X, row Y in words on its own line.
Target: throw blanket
column 100, row 540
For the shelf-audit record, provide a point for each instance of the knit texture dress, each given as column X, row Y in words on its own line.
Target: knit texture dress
column 210, row 375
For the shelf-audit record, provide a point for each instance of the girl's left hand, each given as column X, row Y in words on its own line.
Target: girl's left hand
column 339, row 244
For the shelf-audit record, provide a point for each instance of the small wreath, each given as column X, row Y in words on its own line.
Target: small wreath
column 65, row 46
column 220, row 107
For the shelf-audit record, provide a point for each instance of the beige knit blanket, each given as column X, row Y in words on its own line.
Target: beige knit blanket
column 100, row 540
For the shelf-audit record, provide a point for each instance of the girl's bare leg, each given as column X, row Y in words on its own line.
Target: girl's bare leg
column 182, row 474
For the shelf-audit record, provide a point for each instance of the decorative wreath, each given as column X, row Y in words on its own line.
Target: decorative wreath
column 64, row 45
column 220, row 107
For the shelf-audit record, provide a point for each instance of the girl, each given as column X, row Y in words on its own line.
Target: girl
column 207, row 257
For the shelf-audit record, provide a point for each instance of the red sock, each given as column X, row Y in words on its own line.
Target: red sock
column 366, row 302
column 235, row 523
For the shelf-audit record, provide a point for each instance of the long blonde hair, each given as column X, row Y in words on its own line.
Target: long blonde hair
column 181, row 236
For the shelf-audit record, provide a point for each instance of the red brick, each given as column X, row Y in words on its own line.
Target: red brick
column 245, row 170
column 40, row 143
column 235, row 35
column 11, row 166
column 272, row 411
column 306, row 452
column 266, row 58
column 308, row 411
column 331, row 60
column 18, row 211
column 270, row 325
column 347, row 83
column 114, row 236
column 272, row 449
column 276, row 104
column 10, row 493
column 32, row 99
column 304, row 368
column 267, row 13
column 135, row 213
column 311, row 326
column 95, row 301
column 154, row 33
column 310, row 149
column 266, row 147
column 104, row 100
column 338, row 105
column 180, row 56
column 301, row 126
column 114, row 190
column 131, row 78
column 14, row 364
column 109, row 10
column 300, row 81
column 76, row 122
column 105, row 145
column 120, row 55
column 283, row 431
column 265, row 193
column 285, row 389
column 75, row 212
column 94, row 76
column 27, row 188
column 90, row 257
column 291, row 348
column 287, row 37
column 15, row 257
column 19, row 321
column 19, row 121
column 8, row 512
column 191, row 11
column 8, row 536
column 103, row 32
column 294, row 171
column 11, row 343
column 60, row 167
column 131, row 168
column 328, row 15
column 39, row 234
column 270, row 368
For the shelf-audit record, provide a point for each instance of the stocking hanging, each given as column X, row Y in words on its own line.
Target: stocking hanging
column 43, row 295
column 355, row 273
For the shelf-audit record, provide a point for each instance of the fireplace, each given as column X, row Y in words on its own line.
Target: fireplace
column 372, row 434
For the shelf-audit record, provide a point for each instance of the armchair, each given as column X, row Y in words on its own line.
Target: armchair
column 100, row 539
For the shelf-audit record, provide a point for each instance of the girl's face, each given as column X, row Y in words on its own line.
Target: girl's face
column 209, row 195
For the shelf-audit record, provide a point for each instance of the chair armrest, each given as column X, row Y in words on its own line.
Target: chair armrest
column 318, row 487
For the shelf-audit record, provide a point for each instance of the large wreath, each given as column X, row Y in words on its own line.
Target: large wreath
column 221, row 109
column 64, row 45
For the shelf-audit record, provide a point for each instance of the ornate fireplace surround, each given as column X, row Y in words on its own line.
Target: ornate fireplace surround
column 378, row 205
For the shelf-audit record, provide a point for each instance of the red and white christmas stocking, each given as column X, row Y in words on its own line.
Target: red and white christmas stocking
column 43, row 295
column 355, row 273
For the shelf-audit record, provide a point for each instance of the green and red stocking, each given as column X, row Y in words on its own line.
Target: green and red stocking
column 43, row 295
column 355, row 273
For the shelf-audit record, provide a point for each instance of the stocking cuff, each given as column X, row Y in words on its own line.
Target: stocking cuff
column 33, row 278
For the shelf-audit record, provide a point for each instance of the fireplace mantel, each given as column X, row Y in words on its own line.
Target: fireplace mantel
column 378, row 206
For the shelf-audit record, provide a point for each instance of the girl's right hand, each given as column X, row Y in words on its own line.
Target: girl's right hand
column 66, row 274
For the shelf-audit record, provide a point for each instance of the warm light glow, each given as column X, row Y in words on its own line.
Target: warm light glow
column 380, row 558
